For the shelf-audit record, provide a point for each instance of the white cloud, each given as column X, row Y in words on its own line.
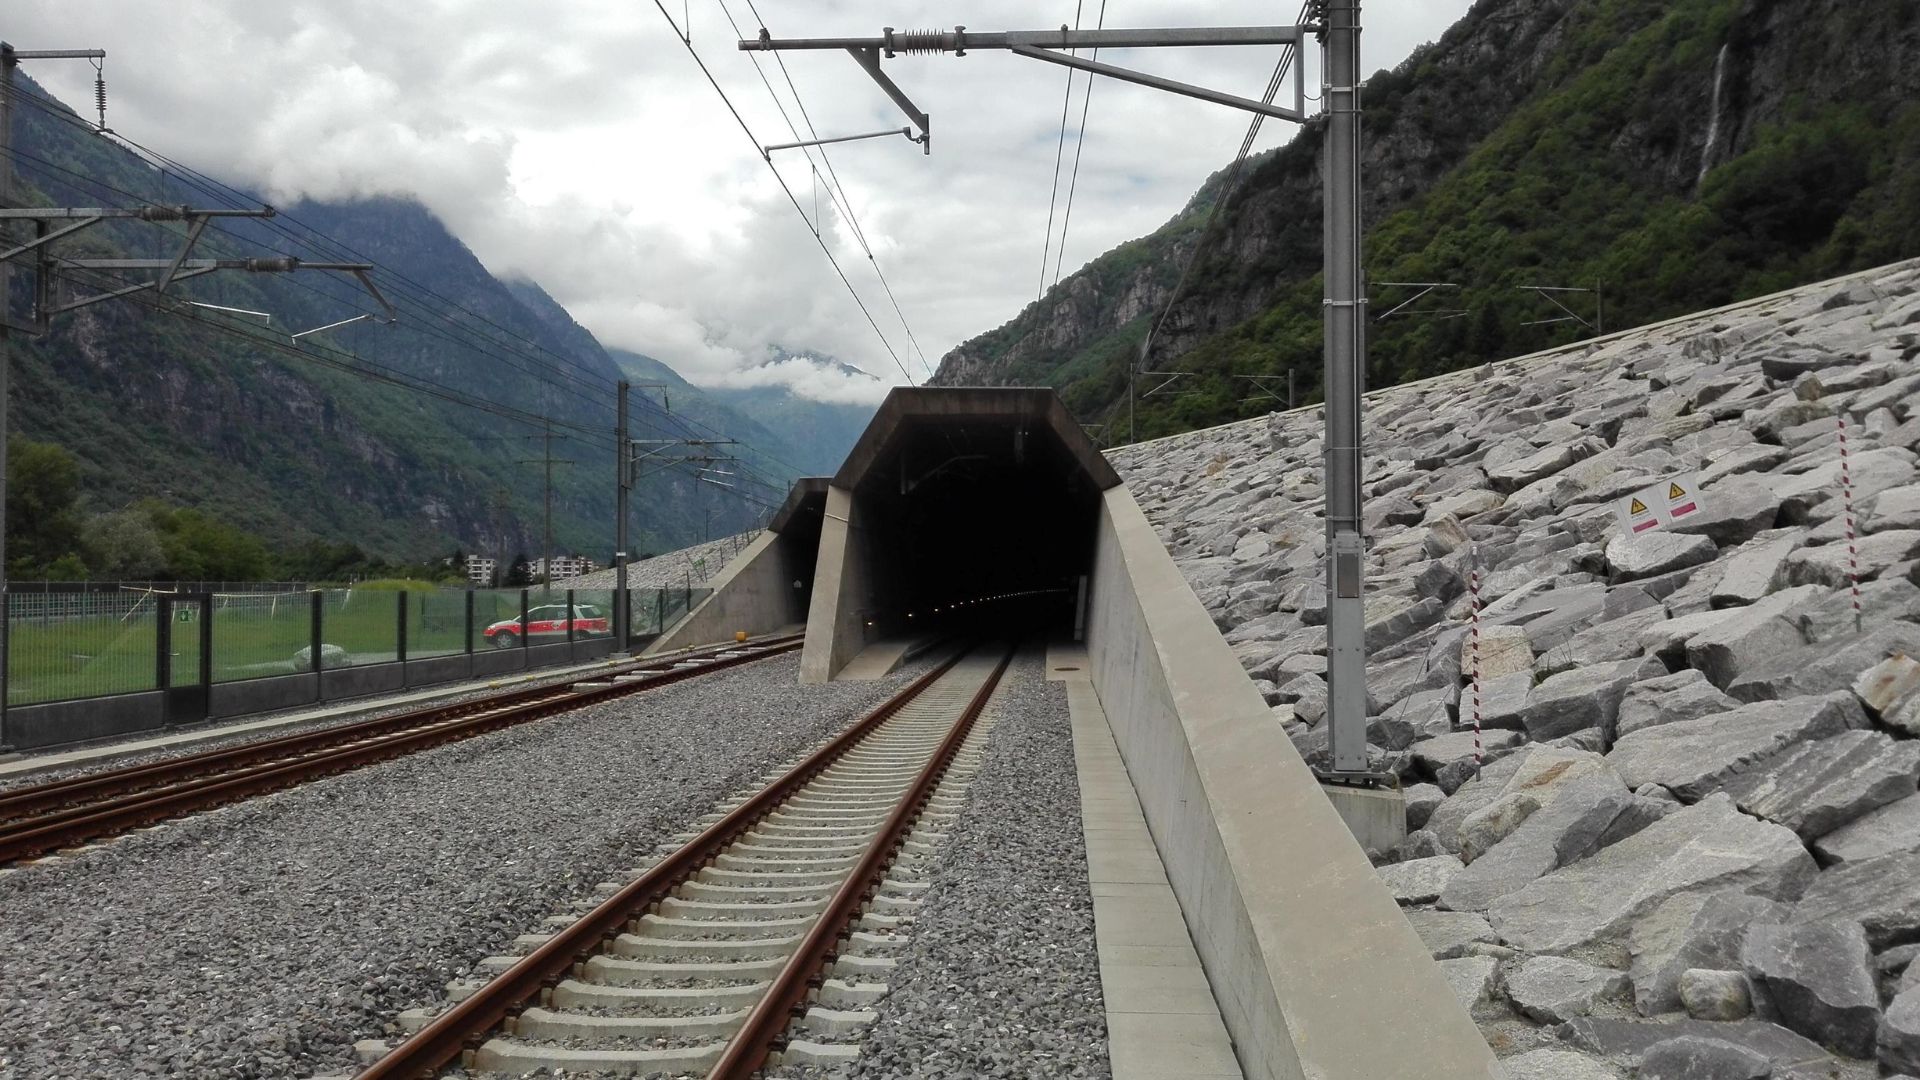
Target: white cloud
column 577, row 144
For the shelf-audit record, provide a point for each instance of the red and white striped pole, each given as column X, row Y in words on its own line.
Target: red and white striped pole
column 1473, row 654
column 1853, row 547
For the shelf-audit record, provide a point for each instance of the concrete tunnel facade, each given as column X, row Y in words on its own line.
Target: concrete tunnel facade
column 954, row 496
column 956, row 502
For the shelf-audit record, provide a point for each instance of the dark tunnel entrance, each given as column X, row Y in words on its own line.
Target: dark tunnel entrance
column 959, row 509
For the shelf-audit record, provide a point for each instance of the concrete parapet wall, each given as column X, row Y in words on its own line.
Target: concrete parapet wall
column 1317, row 972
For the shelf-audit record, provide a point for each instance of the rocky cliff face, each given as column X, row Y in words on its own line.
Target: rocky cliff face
column 1691, row 796
column 1570, row 140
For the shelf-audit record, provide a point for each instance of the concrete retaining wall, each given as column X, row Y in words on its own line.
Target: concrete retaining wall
column 270, row 694
column 754, row 593
column 842, row 592
column 32, row 727
column 1316, row 970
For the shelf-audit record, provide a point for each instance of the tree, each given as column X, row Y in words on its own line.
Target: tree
column 520, row 574
column 125, row 545
column 43, row 484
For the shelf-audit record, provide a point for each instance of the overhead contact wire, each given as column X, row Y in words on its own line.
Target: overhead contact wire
column 825, row 250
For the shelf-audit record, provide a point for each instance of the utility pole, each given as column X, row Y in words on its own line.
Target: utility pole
column 1337, row 25
column 623, row 483
column 1346, row 368
column 546, row 458
column 9, row 60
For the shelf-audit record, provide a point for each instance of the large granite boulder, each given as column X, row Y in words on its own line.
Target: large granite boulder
column 1733, row 511
column 1708, row 846
column 1882, row 894
column 1756, row 569
column 1697, row 1057
column 1899, row 1034
column 1555, row 989
column 1827, row 666
column 1817, row 979
column 1554, row 812
column 1419, row 881
column 1691, row 930
column 1631, row 558
column 1761, row 636
column 1585, row 697
column 1450, row 934
column 1816, row 787
column 1692, row 758
column 1890, row 829
column 1627, row 1042
column 1667, row 699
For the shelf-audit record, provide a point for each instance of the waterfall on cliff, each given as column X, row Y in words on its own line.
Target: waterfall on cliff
column 1713, row 122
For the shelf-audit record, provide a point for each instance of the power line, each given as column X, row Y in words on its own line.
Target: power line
column 408, row 291
column 1079, row 144
column 748, row 131
column 1059, row 152
column 1287, row 57
column 846, row 201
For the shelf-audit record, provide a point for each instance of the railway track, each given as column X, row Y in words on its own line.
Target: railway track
column 763, row 939
column 47, row 817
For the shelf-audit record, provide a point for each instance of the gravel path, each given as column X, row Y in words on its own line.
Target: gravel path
column 263, row 939
column 1002, row 978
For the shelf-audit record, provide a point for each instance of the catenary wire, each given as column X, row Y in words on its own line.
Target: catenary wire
column 1059, row 154
column 751, row 138
column 1079, row 145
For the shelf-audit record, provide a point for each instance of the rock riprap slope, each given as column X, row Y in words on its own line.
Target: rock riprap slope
column 1693, row 845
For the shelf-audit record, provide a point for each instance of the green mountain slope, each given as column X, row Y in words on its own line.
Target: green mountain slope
column 195, row 407
column 1675, row 155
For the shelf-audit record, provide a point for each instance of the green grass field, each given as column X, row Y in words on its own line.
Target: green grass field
column 68, row 656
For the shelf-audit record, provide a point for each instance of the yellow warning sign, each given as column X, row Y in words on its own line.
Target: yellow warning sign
column 1675, row 491
column 1638, row 507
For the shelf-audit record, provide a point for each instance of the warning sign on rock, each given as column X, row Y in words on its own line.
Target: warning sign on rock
column 1658, row 506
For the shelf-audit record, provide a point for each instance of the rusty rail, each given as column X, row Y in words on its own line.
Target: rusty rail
column 50, row 816
column 765, row 1028
column 444, row 1039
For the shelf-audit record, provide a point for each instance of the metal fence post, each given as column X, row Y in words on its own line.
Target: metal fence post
column 526, row 623
column 206, row 648
column 317, row 599
column 163, row 645
column 469, row 620
column 570, row 616
column 400, row 629
column 6, row 657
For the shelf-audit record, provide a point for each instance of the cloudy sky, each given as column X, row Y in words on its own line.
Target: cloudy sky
column 576, row 143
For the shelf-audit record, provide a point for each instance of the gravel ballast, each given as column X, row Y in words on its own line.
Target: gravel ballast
column 262, row 940
column 1002, row 978
column 354, row 711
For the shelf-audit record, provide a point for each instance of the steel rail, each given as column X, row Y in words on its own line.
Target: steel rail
column 765, row 1028
column 23, row 801
column 201, row 782
column 464, row 1025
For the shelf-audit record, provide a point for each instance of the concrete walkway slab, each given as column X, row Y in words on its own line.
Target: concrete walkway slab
column 1162, row 1020
column 883, row 658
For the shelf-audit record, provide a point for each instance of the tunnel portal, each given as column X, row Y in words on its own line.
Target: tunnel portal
column 958, row 506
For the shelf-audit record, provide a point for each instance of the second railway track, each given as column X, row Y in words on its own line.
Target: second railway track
column 783, row 912
column 47, row 817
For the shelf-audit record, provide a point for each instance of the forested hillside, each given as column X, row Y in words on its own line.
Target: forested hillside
column 1673, row 155
column 405, row 441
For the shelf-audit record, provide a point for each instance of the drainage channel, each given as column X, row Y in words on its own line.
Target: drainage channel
column 764, row 939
